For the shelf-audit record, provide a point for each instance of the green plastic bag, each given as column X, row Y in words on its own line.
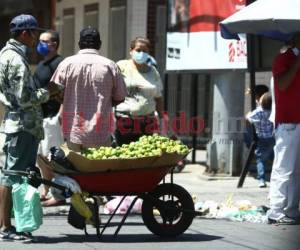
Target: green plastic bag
column 27, row 207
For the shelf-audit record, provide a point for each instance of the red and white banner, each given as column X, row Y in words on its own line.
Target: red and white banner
column 194, row 41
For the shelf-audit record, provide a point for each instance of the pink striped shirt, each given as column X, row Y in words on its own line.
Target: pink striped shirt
column 91, row 83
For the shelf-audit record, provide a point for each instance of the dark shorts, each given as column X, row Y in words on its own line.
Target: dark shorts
column 21, row 151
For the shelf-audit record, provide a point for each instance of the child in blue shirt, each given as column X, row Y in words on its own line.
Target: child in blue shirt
column 259, row 90
column 265, row 136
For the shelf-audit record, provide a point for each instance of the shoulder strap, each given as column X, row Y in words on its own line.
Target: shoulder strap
column 15, row 50
column 5, row 49
column 52, row 70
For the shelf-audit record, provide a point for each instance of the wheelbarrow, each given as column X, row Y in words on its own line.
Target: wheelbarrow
column 174, row 204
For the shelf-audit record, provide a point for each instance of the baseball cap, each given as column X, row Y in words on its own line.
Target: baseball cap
column 89, row 34
column 24, row 22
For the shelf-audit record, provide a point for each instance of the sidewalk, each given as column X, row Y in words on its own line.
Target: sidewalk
column 218, row 188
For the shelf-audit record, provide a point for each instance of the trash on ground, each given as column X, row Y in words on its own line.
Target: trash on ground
column 241, row 210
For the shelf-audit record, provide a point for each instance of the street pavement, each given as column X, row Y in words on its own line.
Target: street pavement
column 56, row 233
column 203, row 234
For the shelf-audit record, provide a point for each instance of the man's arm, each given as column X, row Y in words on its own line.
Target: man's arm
column 56, row 92
column 284, row 80
column 253, row 116
column 119, row 91
column 57, row 83
column 22, row 85
column 159, row 106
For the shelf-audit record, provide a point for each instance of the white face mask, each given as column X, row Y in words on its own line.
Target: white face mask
column 296, row 51
column 140, row 57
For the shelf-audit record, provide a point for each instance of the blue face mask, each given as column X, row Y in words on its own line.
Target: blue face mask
column 43, row 48
column 296, row 51
column 140, row 57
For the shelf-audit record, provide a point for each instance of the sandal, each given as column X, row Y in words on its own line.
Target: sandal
column 10, row 234
column 28, row 238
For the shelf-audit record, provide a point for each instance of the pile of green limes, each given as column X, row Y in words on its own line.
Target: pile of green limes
column 147, row 145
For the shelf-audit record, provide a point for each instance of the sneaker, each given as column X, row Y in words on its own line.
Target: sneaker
column 283, row 221
column 10, row 235
column 262, row 184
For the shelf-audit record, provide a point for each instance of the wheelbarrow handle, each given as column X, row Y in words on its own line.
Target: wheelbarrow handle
column 33, row 175
column 15, row 172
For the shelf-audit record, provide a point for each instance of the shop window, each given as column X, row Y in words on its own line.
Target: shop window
column 68, row 32
column 117, row 41
column 91, row 15
column 160, row 38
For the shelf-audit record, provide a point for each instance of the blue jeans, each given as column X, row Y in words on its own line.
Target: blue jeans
column 264, row 152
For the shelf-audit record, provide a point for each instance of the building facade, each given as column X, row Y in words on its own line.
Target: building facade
column 191, row 95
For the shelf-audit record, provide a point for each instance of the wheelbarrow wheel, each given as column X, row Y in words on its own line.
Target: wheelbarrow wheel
column 168, row 210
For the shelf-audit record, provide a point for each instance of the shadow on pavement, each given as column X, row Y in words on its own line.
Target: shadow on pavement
column 114, row 224
column 125, row 238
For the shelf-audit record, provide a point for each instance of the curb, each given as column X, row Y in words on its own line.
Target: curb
column 217, row 177
column 199, row 170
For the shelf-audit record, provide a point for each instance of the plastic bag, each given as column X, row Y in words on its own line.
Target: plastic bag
column 66, row 182
column 139, row 105
column 134, row 105
column 77, row 200
column 75, row 219
column 27, row 207
column 110, row 206
column 83, row 211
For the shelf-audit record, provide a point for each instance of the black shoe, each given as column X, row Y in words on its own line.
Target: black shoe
column 28, row 238
column 283, row 221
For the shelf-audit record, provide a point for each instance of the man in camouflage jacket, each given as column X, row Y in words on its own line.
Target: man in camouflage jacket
column 23, row 118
